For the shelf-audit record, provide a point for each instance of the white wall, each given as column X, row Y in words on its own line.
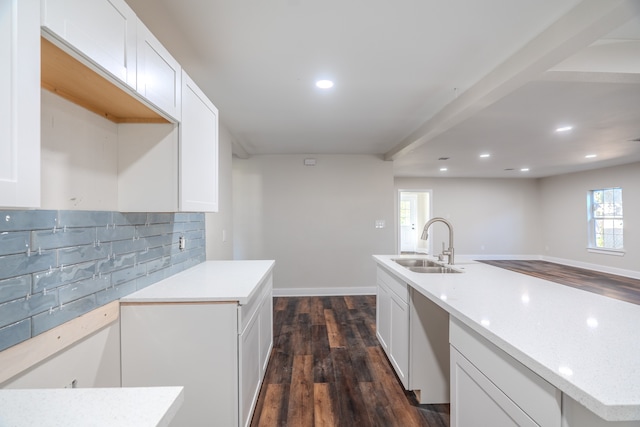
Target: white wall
column 563, row 208
column 221, row 223
column 317, row 222
column 79, row 157
column 489, row 216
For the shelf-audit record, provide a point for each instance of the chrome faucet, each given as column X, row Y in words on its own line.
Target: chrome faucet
column 448, row 252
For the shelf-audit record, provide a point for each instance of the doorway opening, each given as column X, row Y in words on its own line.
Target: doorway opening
column 414, row 210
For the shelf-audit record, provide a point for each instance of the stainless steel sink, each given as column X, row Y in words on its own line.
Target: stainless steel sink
column 422, row 265
column 440, row 269
column 416, row 262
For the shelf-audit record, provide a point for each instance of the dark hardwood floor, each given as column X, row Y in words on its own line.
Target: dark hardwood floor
column 609, row 285
column 328, row 369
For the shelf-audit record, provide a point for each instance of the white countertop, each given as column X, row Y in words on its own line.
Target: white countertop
column 96, row 407
column 210, row 281
column 585, row 344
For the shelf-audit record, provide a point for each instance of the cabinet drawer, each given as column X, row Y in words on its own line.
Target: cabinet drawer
column 394, row 285
column 247, row 311
column 478, row 401
column 535, row 396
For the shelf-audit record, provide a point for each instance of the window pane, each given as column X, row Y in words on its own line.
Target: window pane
column 606, row 222
column 405, row 212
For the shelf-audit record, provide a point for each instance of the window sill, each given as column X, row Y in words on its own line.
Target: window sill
column 616, row 252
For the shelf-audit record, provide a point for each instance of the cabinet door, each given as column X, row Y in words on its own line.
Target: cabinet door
column 383, row 317
column 475, row 400
column 250, row 367
column 190, row 345
column 159, row 73
column 20, row 103
column 103, row 31
column 198, row 150
column 399, row 339
column 266, row 332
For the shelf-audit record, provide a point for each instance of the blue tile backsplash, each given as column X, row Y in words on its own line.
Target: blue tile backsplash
column 58, row 265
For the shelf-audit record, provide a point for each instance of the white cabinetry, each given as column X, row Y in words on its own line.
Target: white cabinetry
column 166, row 168
column 158, row 73
column 162, row 166
column 19, row 93
column 254, row 344
column 489, row 387
column 103, row 31
column 413, row 332
column 216, row 350
column 393, row 322
column 198, row 150
column 428, row 350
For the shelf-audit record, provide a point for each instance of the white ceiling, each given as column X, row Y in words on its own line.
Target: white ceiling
column 416, row 80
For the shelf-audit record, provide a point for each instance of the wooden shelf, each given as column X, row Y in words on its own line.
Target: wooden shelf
column 69, row 78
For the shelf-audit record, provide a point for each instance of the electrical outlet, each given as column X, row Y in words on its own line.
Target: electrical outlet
column 182, row 243
column 72, row 384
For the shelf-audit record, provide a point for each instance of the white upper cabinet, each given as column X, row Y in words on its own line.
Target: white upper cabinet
column 19, row 95
column 159, row 74
column 198, row 150
column 103, row 31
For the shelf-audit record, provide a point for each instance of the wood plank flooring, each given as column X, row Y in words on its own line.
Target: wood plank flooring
column 328, row 369
column 609, row 285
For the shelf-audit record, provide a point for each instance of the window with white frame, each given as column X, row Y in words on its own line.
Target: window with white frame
column 605, row 219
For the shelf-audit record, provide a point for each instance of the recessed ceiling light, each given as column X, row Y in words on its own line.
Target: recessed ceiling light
column 324, row 84
column 484, row 156
column 443, row 169
column 524, row 170
column 590, row 156
column 564, row 128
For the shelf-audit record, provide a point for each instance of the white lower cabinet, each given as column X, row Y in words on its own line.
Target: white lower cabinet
column 413, row 332
column 216, row 350
column 383, row 316
column 490, row 388
column 392, row 326
column 476, row 398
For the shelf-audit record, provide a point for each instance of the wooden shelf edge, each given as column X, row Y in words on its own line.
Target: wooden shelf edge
column 23, row 356
column 76, row 82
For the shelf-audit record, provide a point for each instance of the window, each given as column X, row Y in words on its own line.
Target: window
column 405, row 212
column 605, row 219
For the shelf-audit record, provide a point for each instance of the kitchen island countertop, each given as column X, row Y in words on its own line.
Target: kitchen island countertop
column 98, row 407
column 585, row 344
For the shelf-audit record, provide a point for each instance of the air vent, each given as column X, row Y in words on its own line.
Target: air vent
column 443, row 158
column 509, row 169
column 635, row 140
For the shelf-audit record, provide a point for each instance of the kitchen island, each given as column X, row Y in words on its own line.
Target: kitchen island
column 209, row 329
column 583, row 345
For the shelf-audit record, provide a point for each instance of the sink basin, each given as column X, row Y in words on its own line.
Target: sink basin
column 422, row 265
column 439, row 269
column 416, row 262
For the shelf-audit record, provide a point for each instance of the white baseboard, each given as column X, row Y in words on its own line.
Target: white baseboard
column 322, row 292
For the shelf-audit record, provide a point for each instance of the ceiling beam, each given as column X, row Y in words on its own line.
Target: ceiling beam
column 584, row 24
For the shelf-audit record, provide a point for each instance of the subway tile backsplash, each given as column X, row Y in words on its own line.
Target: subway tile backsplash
column 58, row 265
